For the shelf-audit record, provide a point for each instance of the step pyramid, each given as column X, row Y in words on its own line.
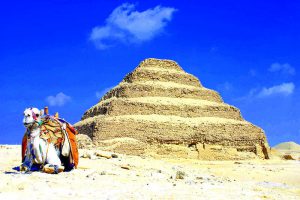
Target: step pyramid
column 159, row 109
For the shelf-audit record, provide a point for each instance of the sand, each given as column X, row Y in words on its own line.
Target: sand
column 134, row 177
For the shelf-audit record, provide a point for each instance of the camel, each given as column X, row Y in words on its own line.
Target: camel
column 39, row 151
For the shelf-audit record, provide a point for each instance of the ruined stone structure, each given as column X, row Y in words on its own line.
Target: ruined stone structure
column 160, row 110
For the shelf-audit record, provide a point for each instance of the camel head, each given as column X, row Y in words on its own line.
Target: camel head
column 31, row 115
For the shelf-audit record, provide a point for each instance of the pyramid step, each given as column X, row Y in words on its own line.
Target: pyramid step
column 148, row 74
column 162, row 89
column 161, row 70
column 165, row 64
column 163, row 106
column 173, row 130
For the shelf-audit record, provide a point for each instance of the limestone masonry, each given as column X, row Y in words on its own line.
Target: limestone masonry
column 160, row 110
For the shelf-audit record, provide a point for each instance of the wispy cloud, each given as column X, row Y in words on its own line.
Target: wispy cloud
column 127, row 25
column 101, row 93
column 58, row 100
column 285, row 68
column 284, row 89
column 253, row 72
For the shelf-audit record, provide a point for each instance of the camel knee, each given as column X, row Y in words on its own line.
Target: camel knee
column 53, row 169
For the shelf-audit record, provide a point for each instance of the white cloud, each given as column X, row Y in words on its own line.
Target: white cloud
column 285, row 68
column 100, row 94
column 253, row 72
column 58, row 100
column 225, row 87
column 284, row 89
column 126, row 24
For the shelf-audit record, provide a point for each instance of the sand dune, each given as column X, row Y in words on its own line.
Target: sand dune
column 289, row 150
column 292, row 146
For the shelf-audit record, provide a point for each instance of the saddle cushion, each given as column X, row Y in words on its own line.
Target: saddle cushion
column 51, row 130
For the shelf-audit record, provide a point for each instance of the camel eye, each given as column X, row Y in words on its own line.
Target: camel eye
column 28, row 115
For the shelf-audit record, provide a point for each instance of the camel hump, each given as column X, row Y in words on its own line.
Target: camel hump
column 52, row 131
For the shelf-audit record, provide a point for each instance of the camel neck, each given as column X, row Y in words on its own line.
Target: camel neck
column 33, row 131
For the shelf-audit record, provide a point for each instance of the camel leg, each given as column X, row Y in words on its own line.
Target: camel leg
column 53, row 165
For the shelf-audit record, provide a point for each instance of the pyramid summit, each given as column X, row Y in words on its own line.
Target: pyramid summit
column 160, row 110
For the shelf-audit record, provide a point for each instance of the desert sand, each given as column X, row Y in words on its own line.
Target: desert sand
column 135, row 177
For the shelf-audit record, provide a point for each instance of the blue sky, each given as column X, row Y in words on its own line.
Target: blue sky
column 66, row 54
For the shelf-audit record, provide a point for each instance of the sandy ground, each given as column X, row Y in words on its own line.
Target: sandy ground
column 149, row 178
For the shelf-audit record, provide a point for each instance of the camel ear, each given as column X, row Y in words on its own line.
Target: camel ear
column 41, row 112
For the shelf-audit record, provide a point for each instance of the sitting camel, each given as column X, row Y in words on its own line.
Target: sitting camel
column 39, row 151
